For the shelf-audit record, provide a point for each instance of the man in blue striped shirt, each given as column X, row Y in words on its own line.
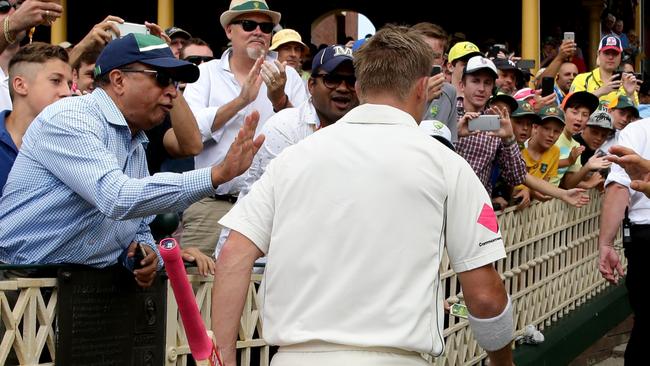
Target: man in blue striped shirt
column 80, row 191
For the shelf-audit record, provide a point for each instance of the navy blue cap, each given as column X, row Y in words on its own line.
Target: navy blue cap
column 610, row 42
column 147, row 49
column 329, row 58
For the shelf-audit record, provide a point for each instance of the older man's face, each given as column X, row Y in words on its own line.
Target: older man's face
column 256, row 41
column 146, row 95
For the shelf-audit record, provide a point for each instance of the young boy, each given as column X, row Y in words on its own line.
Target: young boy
column 577, row 108
column 599, row 128
column 39, row 75
column 541, row 155
column 522, row 122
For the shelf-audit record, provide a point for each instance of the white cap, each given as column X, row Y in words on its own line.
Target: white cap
column 435, row 128
column 477, row 63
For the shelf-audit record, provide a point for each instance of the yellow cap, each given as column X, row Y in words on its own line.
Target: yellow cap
column 285, row 36
column 462, row 49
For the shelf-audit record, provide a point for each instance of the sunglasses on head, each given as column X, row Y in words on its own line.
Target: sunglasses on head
column 163, row 79
column 332, row 81
column 5, row 6
column 197, row 60
column 251, row 25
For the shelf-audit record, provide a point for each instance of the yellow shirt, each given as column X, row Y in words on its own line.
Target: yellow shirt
column 590, row 81
column 566, row 145
column 544, row 168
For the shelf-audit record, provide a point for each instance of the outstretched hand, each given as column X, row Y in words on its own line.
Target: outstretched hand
column 635, row 166
column 241, row 152
column 575, row 197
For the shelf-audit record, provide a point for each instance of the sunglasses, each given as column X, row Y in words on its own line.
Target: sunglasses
column 251, row 25
column 162, row 78
column 197, row 60
column 332, row 81
column 5, row 6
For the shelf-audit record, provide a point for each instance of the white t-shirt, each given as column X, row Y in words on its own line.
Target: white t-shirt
column 216, row 87
column 352, row 220
column 636, row 136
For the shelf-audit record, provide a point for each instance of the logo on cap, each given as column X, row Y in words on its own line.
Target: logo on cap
column 552, row 111
column 527, row 107
column 611, row 41
column 342, row 51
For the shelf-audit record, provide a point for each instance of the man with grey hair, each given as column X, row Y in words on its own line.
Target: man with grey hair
column 321, row 268
column 246, row 78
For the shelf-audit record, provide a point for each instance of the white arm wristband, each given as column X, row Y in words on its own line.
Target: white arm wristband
column 494, row 333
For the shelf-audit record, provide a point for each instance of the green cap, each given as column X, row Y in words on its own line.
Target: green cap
column 551, row 112
column 524, row 109
column 624, row 102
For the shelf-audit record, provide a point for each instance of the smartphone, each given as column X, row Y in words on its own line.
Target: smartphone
column 638, row 76
column 435, row 70
column 569, row 36
column 127, row 28
column 526, row 64
column 138, row 256
column 547, row 85
column 617, row 75
column 459, row 310
column 486, row 122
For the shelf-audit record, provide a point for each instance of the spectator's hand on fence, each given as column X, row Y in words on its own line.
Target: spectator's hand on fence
column 434, row 86
column 575, row 197
column 446, row 306
column 524, row 194
column 204, row 263
column 241, row 152
column 609, row 264
column 463, row 129
column 144, row 275
column 499, row 203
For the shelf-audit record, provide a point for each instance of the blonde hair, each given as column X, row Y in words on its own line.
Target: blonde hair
column 392, row 61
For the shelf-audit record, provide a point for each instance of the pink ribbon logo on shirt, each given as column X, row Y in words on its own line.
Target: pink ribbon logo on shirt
column 488, row 218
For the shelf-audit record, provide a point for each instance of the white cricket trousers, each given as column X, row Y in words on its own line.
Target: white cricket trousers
column 328, row 354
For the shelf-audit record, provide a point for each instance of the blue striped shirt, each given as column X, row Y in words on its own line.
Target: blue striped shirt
column 80, row 191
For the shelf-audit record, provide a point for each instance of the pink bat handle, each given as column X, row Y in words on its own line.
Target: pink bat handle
column 200, row 344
